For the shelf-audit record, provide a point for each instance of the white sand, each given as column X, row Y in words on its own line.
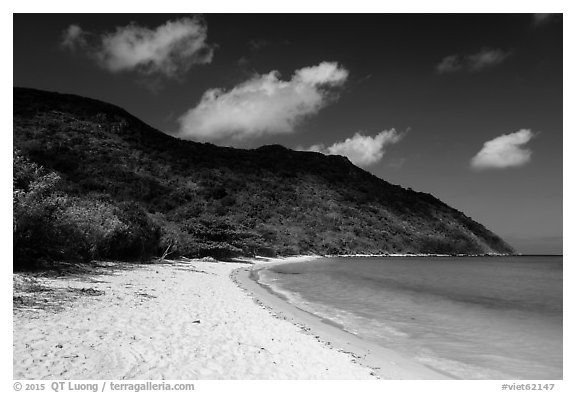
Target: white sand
column 144, row 327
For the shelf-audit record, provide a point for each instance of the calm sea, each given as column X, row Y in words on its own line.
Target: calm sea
column 470, row 317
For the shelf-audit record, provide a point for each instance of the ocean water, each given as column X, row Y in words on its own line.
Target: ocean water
column 469, row 317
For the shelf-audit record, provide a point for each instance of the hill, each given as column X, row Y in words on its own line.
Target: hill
column 201, row 199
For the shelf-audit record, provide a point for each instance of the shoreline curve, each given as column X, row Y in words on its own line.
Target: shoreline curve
column 384, row 363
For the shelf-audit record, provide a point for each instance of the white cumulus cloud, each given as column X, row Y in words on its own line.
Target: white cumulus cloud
column 505, row 151
column 361, row 150
column 171, row 49
column 262, row 105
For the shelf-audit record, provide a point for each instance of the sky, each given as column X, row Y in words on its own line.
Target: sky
column 467, row 107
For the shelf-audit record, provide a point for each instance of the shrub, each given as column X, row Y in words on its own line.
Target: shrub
column 173, row 238
column 36, row 235
column 49, row 225
column 96, row 225
column 139, row 238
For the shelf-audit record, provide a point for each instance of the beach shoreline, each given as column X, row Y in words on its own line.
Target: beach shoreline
column 179, row 320
column 185, row 319
column 385, row 363
column 344, row 305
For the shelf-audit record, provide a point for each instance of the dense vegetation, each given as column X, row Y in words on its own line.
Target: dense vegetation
column 92, row 181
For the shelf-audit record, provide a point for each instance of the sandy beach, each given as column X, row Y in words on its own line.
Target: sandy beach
column 182, row 320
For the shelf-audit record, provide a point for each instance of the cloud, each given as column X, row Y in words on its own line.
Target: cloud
column 541, row 19
column 256, row 45
column 475, row 62
column 360, row 149
column 169, row 50
column 262, row 105
column 486, row 58
column 73, row 37
column 243, row 61
column 450, row 63
column 504, row 151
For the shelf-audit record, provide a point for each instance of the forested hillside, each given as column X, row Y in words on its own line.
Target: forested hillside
column 92, row 181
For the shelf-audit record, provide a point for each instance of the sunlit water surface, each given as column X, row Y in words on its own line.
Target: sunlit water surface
column 470, row 317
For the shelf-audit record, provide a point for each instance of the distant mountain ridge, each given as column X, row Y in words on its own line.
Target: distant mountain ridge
column 211, row 200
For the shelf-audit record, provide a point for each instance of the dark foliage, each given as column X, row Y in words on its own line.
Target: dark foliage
column 200, row 199
column 50, row 225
